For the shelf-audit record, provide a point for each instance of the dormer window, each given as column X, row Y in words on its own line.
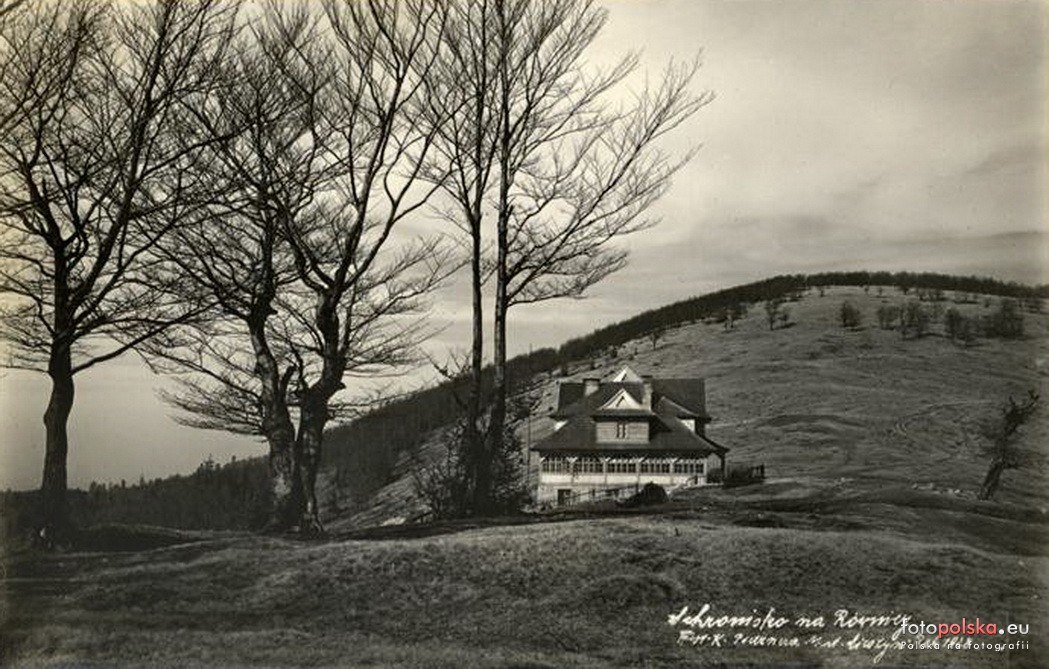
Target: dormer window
column 622, row 429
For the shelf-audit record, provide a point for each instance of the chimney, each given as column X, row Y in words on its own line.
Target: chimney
column 590, row 385
column 646, row 398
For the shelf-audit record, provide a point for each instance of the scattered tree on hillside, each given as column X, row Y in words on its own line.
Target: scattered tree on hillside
column 729, row 314
column 710, row 305
column 1002, row 446
column 849, row 315
column 914, row 319
column 959, row 327
column 1007, row 322
column 774, row 311
column 89, row 184
column 545, row 167
column 655, row 336
column 936, row 312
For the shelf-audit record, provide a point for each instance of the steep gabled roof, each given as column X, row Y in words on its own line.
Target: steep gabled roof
column 627, row 375
column 568, row 393
column 671, row 401
column 668, row 407
column 572, row 403
column 623, row 404
column 689, row 394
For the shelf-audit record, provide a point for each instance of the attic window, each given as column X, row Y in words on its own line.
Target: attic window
column 622, row 428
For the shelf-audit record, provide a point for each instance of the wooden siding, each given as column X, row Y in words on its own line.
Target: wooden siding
column 637, row 431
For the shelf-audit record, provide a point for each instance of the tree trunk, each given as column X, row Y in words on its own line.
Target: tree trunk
column 312, row 422
column 472, row 437
column 484, row 495
column 56, row 419
column 285, row 482
column 285, row 486
column 992, row 479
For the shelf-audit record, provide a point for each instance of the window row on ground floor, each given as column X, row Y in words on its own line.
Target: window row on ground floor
column 558, row 464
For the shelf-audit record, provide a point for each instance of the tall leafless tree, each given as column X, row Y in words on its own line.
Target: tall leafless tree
column 552, row 158
column 467, row 144
column 297, row 246
column 89, row 94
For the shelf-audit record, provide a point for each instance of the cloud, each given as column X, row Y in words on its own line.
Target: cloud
column 1028, row 157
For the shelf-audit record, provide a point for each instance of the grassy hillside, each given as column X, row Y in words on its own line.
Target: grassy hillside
column 816, row 400
column 871, row 445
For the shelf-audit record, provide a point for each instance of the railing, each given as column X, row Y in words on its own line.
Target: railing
column 596, row 494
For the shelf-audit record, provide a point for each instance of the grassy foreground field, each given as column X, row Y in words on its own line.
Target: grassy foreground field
column 577, row 593
column 870, row 442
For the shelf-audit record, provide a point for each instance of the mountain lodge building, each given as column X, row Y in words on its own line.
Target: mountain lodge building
column 615, row 436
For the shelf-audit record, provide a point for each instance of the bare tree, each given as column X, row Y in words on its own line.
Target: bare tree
column 655, row 335
column 774, row 311
column 1001, row 439
column 235, row 372
column 88, row 185
column 540, row 151
column 297, row 246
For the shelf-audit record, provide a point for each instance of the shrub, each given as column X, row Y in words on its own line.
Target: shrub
column 952, row 320
column 936, row 312
column 888, row 315
column 914, row 319
column 959, row 327
column 850, row 316
column 445, row 486
column 649, row 495
column 1007, row 322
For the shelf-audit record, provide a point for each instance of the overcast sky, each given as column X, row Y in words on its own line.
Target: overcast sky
column 873, row 134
